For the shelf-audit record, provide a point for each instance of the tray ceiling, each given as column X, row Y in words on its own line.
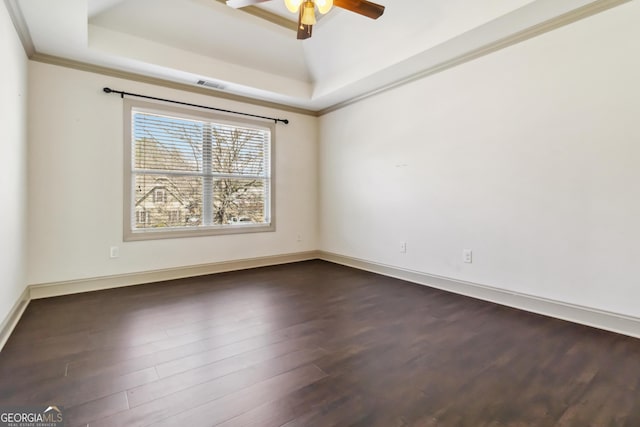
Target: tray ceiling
column 348, row 57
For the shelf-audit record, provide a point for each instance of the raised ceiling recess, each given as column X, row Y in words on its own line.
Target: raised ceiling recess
column 254, row 51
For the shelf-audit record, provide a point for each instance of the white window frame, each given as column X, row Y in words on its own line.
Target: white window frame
column 174, row 215
column 142, row 217
column 131, row 233
column 158, row 191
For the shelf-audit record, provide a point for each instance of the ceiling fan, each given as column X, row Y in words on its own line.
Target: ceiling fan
column 306, row 10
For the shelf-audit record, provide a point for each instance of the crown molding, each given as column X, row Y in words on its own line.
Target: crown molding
column 21, row 26
column 542, row 28
column 112, row 72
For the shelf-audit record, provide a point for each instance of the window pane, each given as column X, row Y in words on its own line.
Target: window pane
column 239, row 201
column 167, row 143
column 208, row 173
column 239, row 151
column 179, row 206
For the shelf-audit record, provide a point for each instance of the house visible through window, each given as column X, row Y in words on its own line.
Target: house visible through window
column 159, row 196
column 142, row 217
column 192, row 173
column 174, row 216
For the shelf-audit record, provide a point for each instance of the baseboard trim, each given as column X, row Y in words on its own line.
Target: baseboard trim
column 47, row 290
column 54, row 289
column 588, row 316
column 10, row 322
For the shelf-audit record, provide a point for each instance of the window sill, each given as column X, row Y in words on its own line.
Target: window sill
column 214, row 230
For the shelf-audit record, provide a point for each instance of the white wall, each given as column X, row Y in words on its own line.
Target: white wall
column 13, row 165
column 529, row 156
column 76, row 175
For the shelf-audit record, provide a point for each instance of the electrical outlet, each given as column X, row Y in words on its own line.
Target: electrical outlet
column 114, row 252
column 467, row 256
column 403, row 247
column 299, row 238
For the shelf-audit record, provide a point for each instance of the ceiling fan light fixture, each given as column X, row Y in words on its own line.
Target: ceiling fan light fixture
column 324, row 6
column 308, row 13
column 292, row 5
column 306, row 10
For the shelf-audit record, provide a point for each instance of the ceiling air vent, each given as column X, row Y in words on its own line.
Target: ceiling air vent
column 212, row 85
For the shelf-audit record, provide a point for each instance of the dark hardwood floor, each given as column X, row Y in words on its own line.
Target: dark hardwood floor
column 313, row 344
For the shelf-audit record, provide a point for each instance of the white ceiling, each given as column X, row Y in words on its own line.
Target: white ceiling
column 347, row 57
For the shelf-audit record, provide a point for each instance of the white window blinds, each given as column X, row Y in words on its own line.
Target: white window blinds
column 192, row 173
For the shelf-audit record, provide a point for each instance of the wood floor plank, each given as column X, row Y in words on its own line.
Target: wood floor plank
column 17, row 384
column 199, row 394
column 184, row 380
column 214, row 348
column 71, row 391
column 204, row 358
column 108, row 405
column 313, row 344
column 171, row 348
column 232, row 405
column 300, row 405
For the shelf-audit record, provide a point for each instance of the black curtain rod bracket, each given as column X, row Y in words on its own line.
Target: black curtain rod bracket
column 122, row 94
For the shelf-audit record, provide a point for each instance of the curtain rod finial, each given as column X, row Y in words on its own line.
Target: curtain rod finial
column 106, row 90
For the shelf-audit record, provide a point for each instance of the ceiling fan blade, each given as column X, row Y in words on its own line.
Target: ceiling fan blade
column 236, row 4
column 362, row 7
column 304, row 31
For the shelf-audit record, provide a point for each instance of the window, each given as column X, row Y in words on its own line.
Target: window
column 159, row 196
column 190, row 173
column 142, row 217
column 174, row 216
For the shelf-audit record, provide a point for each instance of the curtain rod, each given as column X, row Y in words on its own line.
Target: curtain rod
column 122, row 94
